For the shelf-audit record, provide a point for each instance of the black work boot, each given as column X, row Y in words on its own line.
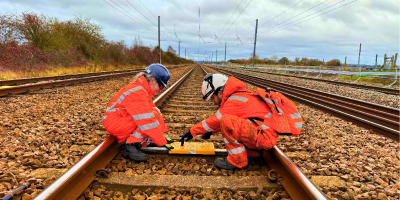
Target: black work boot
column 223, row 163
column 133, row 152
column 256, row 159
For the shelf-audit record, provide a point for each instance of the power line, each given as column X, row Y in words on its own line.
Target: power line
column 128, row 16
column 136, row 20
column 236, row 18
column 291, row 24
column 277, row 15
column 233, row 22
column 230, row 17
column 271, row 30
column 131, row 15
column 296, row 15
column 157, row 18
column 140, row 12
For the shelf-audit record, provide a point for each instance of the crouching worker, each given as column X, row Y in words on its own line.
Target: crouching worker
column 132, row 117
column 250, row 121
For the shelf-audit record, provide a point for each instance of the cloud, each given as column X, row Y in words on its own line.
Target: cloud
column 336, row 34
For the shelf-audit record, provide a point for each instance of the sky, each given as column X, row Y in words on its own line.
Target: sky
column 317, row 29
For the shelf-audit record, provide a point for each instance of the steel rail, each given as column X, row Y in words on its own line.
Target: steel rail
column 13, row 82
column 383, row 120
column 293, row 180
column 61, row 77
column 74, row 181
column 59, row 83
column 369, row 87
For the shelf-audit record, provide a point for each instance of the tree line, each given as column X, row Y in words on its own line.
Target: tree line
column 31, row 41
column 274, row 60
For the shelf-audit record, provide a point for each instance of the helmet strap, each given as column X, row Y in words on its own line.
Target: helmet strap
column 208, row 79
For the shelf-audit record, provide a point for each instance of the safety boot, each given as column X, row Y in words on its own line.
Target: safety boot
column 223, row 163
column 256, row 159
column 133, row 152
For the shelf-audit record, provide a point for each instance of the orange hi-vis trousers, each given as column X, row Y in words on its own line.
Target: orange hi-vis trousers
column 243, row 138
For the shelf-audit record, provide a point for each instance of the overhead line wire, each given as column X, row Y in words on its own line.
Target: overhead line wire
column 233, row 21
column 127, row 15
column 153, row 16
column 269, row 30
column 130, row 14
column 292, row 17
column 291, row 24
column 136, row 20
column 230, row 17
column 277, row 16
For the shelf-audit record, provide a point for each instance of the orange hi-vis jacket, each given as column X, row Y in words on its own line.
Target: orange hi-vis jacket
column 131, row 115
column 242, row 104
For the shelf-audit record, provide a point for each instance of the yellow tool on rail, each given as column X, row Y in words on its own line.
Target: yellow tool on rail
column 203, row 148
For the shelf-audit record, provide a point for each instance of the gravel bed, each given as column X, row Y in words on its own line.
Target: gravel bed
column 329, row 146
column 183, row 165
column 101, row 192
column 38, row 129
column 361, row 94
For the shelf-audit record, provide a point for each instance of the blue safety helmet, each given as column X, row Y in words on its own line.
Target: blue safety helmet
column 160, row 72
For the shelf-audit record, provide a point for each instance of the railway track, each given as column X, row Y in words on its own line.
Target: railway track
column 18, row 86
column 353, row 85
column 383, row 120
column 187, row 176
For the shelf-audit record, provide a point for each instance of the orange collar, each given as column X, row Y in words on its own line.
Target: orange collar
column 143, row 82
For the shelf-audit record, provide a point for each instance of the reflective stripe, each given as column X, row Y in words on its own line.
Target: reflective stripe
column 143, row 116
column 105, row 117
column 112, row 109
column 219, row 115
column 249, row 120
column 236, row 150
column 122, row 97
column 140, row 80
column 299, row 124
column 234, row 143
column 159, row 111
column 295, row 116
column 205, row 126
column 269, row 115
column 148, row 140
column 238, row 98
column 276, row 101
column 137, row 135
column 269, row 101
column 264, row 127
column 149, row 126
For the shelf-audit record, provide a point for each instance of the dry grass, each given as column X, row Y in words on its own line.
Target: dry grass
column 6, row 75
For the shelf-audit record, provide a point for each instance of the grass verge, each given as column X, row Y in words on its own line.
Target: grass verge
column 57, row 71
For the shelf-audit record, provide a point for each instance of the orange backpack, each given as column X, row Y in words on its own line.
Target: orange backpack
column 286, row 119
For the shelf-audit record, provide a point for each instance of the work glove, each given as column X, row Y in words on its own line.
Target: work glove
column 169, row 140
column 206, row 136
column 187, row 135
column 169, row 147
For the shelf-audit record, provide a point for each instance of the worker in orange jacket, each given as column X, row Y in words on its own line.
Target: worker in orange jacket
column 245, row 121
column 132, row 117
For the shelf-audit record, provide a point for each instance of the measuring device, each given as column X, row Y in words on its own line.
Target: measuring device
column 202, row 148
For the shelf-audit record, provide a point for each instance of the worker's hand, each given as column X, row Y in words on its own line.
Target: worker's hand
column 169, row 140
column 187, row 135
column 206, row 136
column 169, row 147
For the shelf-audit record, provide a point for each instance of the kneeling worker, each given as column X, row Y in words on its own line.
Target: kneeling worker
column 250, row 121
column 132, row 117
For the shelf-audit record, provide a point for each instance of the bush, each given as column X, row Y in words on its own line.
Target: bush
column 334, row 62
column 32, row 41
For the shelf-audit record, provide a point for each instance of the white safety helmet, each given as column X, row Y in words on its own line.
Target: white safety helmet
column 212, row 83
